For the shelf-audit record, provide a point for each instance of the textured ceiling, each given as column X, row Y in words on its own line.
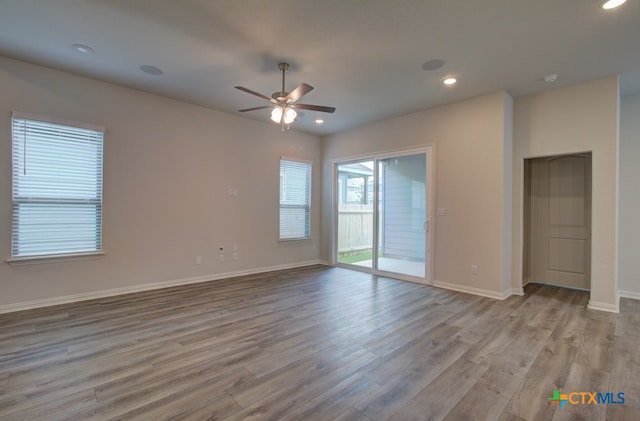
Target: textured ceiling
column 363, row 57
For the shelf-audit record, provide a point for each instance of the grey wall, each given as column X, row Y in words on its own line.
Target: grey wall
column 469, row 139
column 629, row 222
column 579, row 118
column 168, row 166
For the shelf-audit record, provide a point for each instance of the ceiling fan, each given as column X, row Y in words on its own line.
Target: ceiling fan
column 284, row 103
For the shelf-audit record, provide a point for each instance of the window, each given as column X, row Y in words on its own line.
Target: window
column 57, row 188
column 295, row 199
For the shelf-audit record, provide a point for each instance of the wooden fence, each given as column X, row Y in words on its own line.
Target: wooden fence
column 355, row 228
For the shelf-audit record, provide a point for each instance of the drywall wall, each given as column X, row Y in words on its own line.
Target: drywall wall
column 629, row 202
column 168, row 166
column 469, row 148
column 579, row 118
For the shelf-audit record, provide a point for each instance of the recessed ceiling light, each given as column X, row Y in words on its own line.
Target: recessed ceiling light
column 612, row 4
column 151, row 70
column 434, row 64
column 319, row 121
column 450, row 81
column 84, row 49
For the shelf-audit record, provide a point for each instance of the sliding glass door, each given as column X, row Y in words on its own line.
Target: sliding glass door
column 383, row 215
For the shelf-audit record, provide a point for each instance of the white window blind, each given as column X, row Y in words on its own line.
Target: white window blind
column 57, row 188
column 295, row 199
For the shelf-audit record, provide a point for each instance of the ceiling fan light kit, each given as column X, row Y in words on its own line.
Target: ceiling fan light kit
column 612, row 4
column 284, row 103
column 287, row 115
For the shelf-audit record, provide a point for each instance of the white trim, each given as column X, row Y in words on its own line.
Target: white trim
column 517, row 291
column 46, row 302
column 629, row 294
column 520, row 275
column 389, row 153
column 475, row 291
column 430, row 153
column 285, row 240
column 333, row 246
column 610, row 308
column 53, row 120
column 53, row 258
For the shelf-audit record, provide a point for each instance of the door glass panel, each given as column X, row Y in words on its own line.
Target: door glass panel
column 402, row 215
column 355, row 213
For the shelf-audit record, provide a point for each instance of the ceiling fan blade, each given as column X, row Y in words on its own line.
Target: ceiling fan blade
column 249, row 91
column 315, row 108
column 299, row 92
column 256, row 108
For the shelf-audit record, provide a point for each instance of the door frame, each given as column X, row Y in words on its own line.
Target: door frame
column 526, row 202
column 429, row 151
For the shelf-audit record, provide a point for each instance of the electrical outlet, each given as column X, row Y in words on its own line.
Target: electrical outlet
column 221, row 257
column 235, row 255
column 198, row 260
column 474, row 269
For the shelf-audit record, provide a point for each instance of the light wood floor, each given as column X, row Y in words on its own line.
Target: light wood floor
column 318, row 343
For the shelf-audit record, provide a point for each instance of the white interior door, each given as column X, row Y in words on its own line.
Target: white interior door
column 561, row 221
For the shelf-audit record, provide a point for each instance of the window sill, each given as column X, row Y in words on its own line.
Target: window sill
column 53, row 258
column 287, row 240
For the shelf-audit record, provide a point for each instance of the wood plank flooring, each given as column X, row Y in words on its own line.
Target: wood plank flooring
column 318, row 343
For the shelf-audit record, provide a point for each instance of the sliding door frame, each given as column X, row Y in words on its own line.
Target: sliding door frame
column 429, row 152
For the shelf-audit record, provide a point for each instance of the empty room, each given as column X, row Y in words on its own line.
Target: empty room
column 303, row 210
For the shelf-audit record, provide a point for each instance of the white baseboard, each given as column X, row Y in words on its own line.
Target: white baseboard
column 517, row 291
column 610, row 308
column 47, row 302
column 629, row 294
column 475, row 291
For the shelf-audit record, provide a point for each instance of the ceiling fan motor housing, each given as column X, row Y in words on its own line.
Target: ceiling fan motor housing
column 280, row 96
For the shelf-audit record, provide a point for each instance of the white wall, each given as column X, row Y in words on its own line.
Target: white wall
column 580, row 118
column 629, row 221
column 167, row 168
column 469, row 139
